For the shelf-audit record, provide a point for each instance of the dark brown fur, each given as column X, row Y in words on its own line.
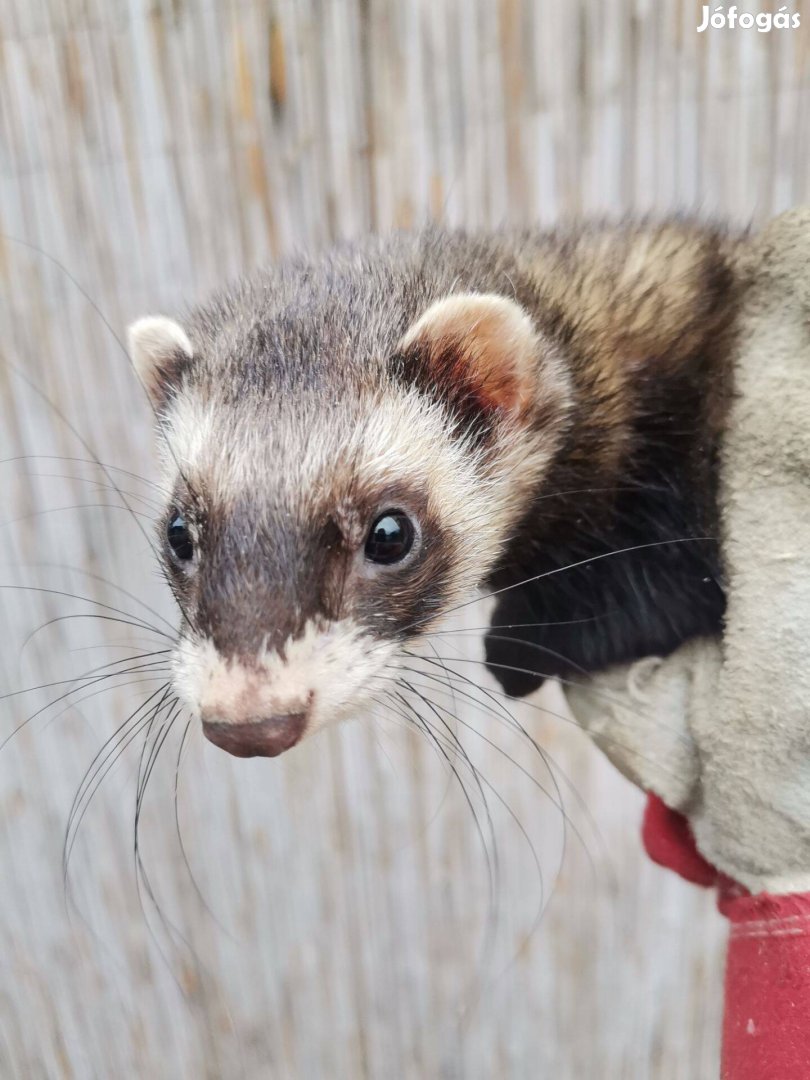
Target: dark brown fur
column 649, row 356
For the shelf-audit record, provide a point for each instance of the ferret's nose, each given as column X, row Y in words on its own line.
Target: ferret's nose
column 266, row 737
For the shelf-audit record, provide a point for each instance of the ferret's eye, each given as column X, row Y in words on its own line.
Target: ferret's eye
column 390, row 538
column 180, row 539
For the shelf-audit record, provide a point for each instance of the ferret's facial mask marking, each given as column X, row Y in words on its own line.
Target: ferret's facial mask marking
column 316, row 528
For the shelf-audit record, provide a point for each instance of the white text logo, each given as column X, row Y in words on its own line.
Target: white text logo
column 764, row 21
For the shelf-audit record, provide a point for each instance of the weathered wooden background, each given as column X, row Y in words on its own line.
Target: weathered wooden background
column 343, row 926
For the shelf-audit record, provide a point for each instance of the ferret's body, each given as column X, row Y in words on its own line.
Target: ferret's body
column 523, row 403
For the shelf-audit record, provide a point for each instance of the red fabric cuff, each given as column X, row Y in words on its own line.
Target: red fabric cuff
column 766, row 1026
column 669, row 842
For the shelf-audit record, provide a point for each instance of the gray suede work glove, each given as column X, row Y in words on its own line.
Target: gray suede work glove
column 720, row 730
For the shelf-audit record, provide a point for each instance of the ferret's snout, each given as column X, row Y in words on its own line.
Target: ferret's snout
column 249, row 710
column 260, row 737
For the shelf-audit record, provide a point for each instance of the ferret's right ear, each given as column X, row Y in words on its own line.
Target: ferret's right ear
column 160, row 351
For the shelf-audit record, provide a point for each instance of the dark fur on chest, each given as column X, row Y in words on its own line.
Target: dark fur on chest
column 616, row 584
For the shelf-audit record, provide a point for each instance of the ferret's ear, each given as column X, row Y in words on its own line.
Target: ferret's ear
column 160, row 352
column 477, row 349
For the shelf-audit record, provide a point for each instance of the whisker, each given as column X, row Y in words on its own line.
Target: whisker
column 543, row 901
column 511, row 721
column 457, row 743
column 77, row 435
column 473, row 770
column 96, row 768
column 152, row 504
column 84, row 684
column 72, row 704
column 560, row 570
column 552, row 765
column 108, row 326
column 491, row 861
column 408, row 724
column 72, row 679
column 110, row 584
column 566, row 719
column 84, row 461
column 85, row 615
column 554, row 769
column 470, row 727
column 601, row 695
column 461, row 630
column 142, row 879
column 84, row 599
column 178, row 830
column 73, row 506
column 425, row 725
column 549, row 763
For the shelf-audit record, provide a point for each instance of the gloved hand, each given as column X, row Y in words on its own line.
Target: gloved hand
column 720, row 730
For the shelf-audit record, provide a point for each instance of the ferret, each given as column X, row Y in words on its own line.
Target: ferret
column 356, row 443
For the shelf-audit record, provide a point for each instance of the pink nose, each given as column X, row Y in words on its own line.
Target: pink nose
column 257, row 738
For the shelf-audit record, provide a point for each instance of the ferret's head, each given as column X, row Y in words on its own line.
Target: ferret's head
column 346, row 449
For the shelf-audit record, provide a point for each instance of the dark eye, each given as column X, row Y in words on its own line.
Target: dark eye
column 180, row 539
column 390, row 538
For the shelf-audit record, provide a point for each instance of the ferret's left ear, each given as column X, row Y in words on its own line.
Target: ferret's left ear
column 479, row 349
column 160, row 352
